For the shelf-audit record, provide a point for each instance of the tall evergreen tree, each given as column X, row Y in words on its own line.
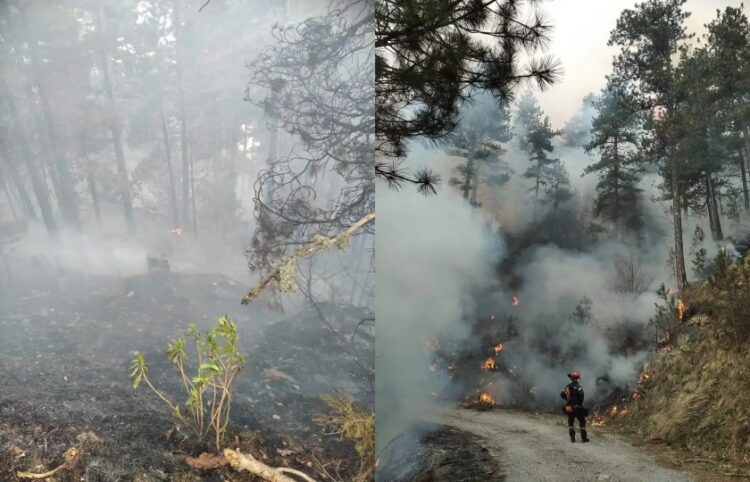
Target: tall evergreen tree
column 535, row 138
column 700, row 143
column 557, row 186
column 479, row 139
column 576, row 132
column 614, row 138
column 728, row 50
column 650, row 36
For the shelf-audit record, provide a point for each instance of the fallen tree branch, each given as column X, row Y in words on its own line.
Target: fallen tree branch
column 44, row 475
column 240, row 461
column 70, row 457
column 283, row 274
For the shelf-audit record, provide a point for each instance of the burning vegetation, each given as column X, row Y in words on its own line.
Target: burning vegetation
column 692, row 392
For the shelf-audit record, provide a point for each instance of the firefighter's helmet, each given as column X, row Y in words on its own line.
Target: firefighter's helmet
column 574, row 375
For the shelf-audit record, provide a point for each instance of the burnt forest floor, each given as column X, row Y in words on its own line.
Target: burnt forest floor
column 65, row 350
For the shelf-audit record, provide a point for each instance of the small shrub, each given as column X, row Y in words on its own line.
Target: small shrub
column 665, row 318
column 217, row 364
column 728, row 292
column 629, row 276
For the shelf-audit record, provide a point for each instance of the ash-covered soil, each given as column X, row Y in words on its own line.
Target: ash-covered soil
column 447, row 454
column 65, row 349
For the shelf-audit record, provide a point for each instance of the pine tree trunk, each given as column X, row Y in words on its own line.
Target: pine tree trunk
column 122, row 171
column 168, row 159
column 717, row 232
column 538, row 181
column 474, row 186
column 91, row 181
column 616, row 159
column 37, row 184
column 743, row 172
column 709, row 205
column 94, row 196
column 679, row 251
column 466, row 188
column 15, row 175
column 183, row 120
column 8, row 194
column 63, row 181
column 192, row 195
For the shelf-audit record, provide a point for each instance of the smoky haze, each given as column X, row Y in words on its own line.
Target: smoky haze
column 457, row 280
column 438, row 252
column 133, row 135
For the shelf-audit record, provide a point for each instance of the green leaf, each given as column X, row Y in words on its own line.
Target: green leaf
column 209, row 366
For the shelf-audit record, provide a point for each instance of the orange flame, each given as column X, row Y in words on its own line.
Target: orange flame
column 613, row 411
column 487, row 398
column 636, row 395
column 498, row 348
column 489, row 364
column 597, row 420
column 681, row 309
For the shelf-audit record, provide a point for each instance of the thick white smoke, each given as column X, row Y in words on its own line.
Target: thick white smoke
column 431, row 252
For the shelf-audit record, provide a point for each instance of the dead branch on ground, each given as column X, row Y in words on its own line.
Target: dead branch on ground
column 70, row 460
column 239, row 461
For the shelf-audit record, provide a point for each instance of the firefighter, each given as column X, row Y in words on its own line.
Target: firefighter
column 573, row 408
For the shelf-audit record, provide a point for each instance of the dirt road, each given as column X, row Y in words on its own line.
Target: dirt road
column 536, row 448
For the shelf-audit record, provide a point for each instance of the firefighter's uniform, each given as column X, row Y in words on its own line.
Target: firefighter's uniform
column 573, row 408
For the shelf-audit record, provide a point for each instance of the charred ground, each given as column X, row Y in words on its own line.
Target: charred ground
column 66, row 349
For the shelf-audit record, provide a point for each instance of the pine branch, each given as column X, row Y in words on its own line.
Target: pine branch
column 284, row 272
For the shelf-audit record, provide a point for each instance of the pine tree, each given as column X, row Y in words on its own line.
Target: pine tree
column 479, row 138
column 614, row 138
column 649, row 36
column 432, row 56
column 699, row 137
column 728, row 49
column 557, row 186
column 536, row 135
column 576, row 132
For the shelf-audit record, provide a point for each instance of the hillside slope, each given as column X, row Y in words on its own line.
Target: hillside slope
column 696, row 392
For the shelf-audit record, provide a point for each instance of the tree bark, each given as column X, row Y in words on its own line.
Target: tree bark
column 183, row 120
column 15, row 175
column 466, row 188
column 64, row 185
column 37, row 184
column 713, row 210
column 91, row 181
column 679, row 251
column 743, row 171
column 8, row 195
column 616, row 159
column 192, row 195
column 122, row 171
column 168, row 152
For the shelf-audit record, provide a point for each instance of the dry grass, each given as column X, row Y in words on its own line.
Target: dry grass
column 353, row 423
column 698, row 397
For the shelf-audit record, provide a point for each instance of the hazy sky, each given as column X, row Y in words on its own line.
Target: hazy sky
column 579, row 40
